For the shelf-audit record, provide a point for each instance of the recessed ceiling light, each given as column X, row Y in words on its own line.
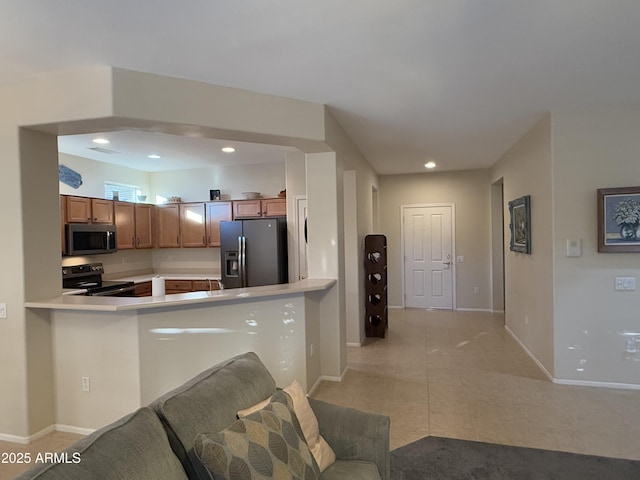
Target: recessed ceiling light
column 154, row 155
column 100, row 141
column 228, row 149
column 430, row 165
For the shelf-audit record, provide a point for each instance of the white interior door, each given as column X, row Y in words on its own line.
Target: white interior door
column 428, row 256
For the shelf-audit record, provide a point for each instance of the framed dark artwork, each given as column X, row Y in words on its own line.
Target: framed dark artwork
column 214, row 194
column 619, row 219
column 520, row 224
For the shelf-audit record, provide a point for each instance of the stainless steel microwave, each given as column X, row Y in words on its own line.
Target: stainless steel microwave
column 90, row 239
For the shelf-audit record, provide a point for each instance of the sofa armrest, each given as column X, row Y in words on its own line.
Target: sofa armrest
column 354, row 434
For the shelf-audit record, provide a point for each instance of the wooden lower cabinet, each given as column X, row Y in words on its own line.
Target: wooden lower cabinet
column 142, row 289
column 205, row 285
column 177, row 286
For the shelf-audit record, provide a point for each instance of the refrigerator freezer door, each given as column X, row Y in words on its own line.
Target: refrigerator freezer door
column 230, row 232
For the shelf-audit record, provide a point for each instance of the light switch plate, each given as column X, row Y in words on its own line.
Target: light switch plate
column 574, row 247
column 625, row 283
column 3, row 310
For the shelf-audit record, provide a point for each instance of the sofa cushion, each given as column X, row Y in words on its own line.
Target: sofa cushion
column 266, row 444
column 319, row 447
column 209, row 403
column 134, row 447
column 351, row 470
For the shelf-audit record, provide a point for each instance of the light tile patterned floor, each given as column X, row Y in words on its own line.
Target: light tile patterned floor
column 461, row 375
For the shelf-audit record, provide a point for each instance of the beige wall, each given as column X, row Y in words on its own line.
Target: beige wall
column 526, row 169
column 29, row 196
column 94, row 174
column 365, row 180
column 593, row 148
column 470, row 193
column 99, row 100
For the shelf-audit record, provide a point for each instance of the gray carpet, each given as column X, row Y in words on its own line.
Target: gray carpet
column 445, row 458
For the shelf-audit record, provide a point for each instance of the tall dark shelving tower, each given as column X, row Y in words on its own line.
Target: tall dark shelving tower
column 375, row 260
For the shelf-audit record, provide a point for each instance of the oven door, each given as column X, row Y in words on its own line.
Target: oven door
column 126, row 291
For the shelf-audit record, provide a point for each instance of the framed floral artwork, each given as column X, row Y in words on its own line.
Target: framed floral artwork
column 619, row 219
column 520, row 224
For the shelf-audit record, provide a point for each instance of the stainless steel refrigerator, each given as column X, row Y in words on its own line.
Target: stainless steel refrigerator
column 253, row 252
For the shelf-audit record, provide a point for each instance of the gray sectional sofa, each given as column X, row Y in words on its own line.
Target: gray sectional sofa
column 157, row 441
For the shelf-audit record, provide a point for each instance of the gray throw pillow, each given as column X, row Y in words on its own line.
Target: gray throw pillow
column 268, row 443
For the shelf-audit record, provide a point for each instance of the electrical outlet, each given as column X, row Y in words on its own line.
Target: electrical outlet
column 3, row 310
column 460, row 259
column 476, row 290
column 86, row 384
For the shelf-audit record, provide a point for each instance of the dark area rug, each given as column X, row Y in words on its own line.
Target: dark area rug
column 445, row 458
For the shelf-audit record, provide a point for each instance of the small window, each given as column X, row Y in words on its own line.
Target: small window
column 122, row 192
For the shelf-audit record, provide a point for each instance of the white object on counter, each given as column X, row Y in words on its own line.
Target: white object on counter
column 157, row 286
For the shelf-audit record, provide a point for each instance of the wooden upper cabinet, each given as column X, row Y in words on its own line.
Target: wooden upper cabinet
column 247, row 208
column 101, row 211
column 274, row 207
column 144, row 225
column 192, row 225
column 265, row 207
column 168, row 226
column 78, row 210
column 216, row 212
column 125, row 225
column 88, row 210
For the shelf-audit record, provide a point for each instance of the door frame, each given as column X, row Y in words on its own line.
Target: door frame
column 300, row 202
column 453, row 247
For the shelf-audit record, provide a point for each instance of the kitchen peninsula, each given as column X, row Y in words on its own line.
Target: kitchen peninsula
column 114, row 354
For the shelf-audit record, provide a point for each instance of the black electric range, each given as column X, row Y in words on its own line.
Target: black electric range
column 89, row 277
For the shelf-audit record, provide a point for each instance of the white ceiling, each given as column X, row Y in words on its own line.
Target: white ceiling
column 456, row 81
column 130, row 148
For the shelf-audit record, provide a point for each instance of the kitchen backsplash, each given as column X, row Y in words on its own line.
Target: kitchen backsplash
column 165, row 260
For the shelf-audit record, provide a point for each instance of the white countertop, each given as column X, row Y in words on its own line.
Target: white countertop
column 116, row 304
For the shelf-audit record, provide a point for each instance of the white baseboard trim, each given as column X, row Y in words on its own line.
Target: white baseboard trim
column 354, row 344
column 589, row 383
column 394, row 307
column 498, row 311
column 577, row 383
column 314, row 386
column 531, row 355
column 5, row 437
column 72, row 429
column 488, row 310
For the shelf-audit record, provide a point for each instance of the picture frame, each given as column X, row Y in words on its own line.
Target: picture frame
column 520, row 225
column 618, row 219
column 214, row 194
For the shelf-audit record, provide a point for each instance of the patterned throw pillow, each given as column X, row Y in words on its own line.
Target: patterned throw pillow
column 266, row 444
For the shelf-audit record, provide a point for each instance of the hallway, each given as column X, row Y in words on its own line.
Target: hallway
column 462, row 375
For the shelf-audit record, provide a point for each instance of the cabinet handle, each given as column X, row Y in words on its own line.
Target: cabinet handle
column 178, row 240
column 204, row 239
column 137, row 241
